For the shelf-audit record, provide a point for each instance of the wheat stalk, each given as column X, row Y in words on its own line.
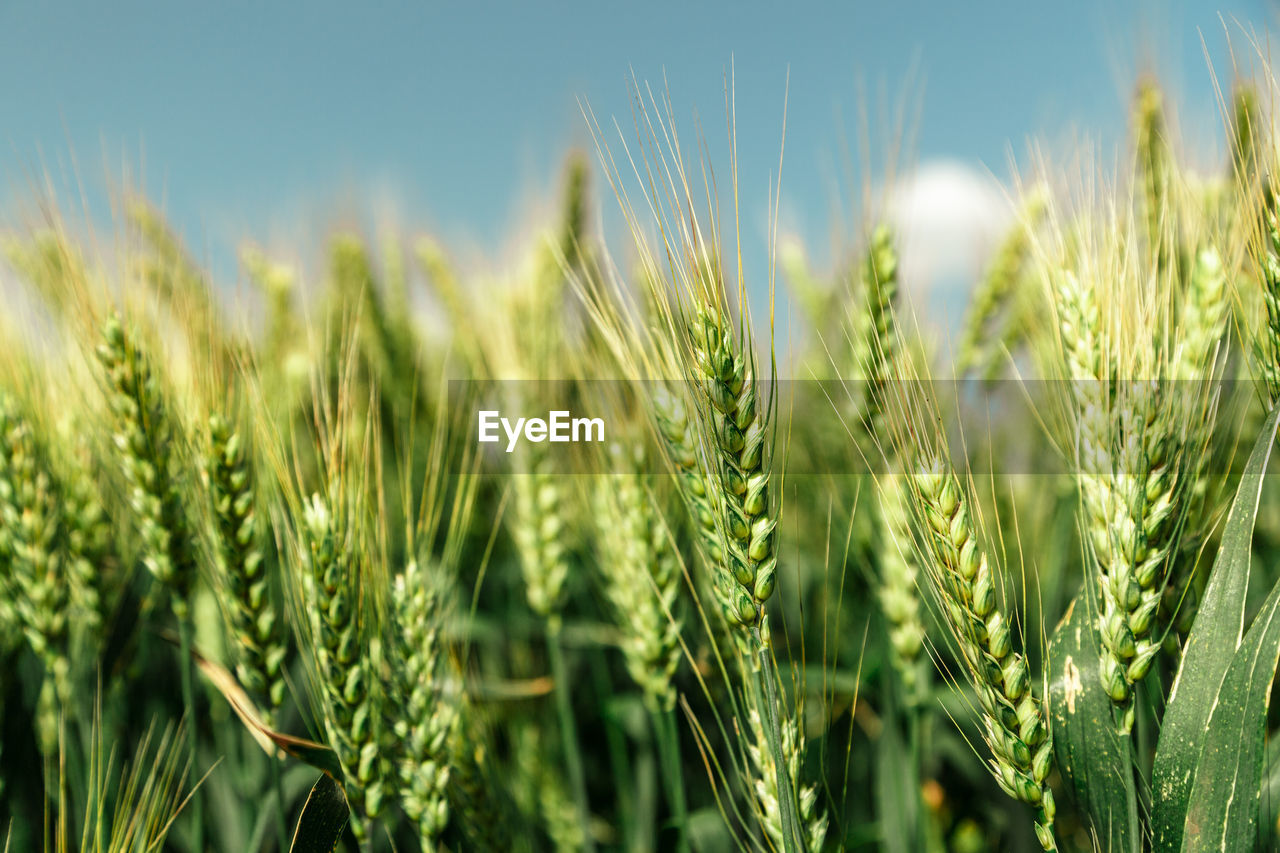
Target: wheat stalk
column 813, row 818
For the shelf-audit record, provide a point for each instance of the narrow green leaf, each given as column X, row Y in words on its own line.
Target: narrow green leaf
column 1271, row 785
column 1092, row 757
column 323, row 818
column 1223, row 813
column 1210, row 649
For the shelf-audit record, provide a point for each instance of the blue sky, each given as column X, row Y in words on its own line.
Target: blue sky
column 268, row 120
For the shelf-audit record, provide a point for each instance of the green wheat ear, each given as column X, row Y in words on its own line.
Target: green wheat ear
column 145, row 438
column 898, row 591
column 641, row 576
column 813, row 818
column 1247, row 132
column 1015, row 720
column 425, row 720
column 36, row 541
column 539, row 531
column 995, row 292
column 875, row 338
column 700, row 494
column 574, row 251
column 345, row 657
column 90, row 541
column 738, row 428
column 1268, row 348
column 255, row 624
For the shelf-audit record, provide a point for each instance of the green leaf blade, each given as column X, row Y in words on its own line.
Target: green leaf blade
column 323, row 818
column 1092, row 757
column 1208, row 656
column 1223, row 814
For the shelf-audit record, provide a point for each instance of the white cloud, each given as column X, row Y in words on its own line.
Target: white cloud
column 948, row 217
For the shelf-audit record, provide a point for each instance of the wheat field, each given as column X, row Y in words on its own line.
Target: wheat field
column 579, row 557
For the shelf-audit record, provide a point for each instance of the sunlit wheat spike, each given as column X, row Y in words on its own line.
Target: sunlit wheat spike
column 539, row 533
column 1203, row 319
column 90, row 540
column 1142, row 410
column 1269, row 263
column 1155, row 169
column 1248, row 132
column 898, row 593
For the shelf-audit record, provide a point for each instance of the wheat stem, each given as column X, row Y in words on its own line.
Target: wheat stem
column 788, row 810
